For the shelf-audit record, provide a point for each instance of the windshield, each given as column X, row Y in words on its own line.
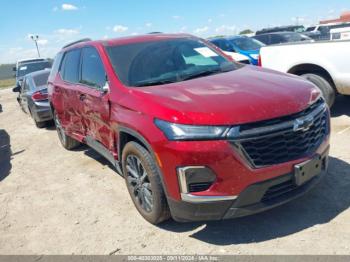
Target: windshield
column 32, row 67
column 310, row 29
column 247, row 44
column 292, row 37
column 166, row 61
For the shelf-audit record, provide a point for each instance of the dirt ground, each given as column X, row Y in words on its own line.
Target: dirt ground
column 54, row 201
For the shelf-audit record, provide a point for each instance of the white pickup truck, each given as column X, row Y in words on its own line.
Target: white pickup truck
column 326, row 64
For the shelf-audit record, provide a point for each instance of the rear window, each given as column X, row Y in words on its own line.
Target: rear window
column 41, row 80
column 55, row 66
column 70, row 66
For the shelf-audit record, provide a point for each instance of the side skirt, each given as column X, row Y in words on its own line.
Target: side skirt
column 102, row 150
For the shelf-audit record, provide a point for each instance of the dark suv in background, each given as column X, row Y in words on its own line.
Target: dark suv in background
column 196, row 136
column 27, row 67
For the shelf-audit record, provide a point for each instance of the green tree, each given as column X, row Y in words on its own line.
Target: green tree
column 247, row 31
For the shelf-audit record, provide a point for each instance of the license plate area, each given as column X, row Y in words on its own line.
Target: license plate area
column 305, row 171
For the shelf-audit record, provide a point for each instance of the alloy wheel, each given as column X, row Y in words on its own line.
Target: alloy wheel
column 139, row 182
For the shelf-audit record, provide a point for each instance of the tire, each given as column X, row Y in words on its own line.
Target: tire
column 325, row 87
column 40, row 124
column 66, row 141
column 144, row 186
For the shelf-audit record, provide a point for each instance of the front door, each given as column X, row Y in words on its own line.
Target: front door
column 95, row 106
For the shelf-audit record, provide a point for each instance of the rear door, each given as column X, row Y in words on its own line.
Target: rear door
column 67, row 89
column 95, row 106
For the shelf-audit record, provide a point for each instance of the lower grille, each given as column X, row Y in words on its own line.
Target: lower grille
column 285, row 143
column 279, row 190
column 198, row 187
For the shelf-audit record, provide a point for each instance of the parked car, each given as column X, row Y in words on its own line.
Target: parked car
column 33, row 97
column 323, row 63
column 240, row 44
column 25, row 61
column 281, row 37
column 195, row 136
column 30, row 67
column 288, row 28
column 340, row 33
column 322, row 32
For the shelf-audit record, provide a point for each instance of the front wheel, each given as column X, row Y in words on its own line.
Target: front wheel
column 144, row 184
column 66, row 141
column 325, row 87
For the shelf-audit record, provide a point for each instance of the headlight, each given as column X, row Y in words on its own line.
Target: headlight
column 191, row 132
column 254, row 56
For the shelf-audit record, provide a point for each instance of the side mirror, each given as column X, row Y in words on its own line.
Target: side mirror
column 16, row 89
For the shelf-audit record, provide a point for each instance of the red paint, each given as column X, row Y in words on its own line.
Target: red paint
column 246, row 95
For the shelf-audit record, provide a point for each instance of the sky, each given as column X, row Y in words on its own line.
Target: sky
column 60, row 22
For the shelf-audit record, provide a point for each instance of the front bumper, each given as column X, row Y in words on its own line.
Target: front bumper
column 255, row 198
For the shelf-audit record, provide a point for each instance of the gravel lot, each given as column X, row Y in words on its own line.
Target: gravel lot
column 54, row 201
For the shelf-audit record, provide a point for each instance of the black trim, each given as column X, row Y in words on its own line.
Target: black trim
column 102, row 150
column 77, row 42
column 254, row 199
column 148, row 147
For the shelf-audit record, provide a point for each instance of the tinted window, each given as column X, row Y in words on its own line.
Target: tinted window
column 70, row 68
column 55, row 66
column 160, row 62
column 25, row 69
column 247, row 44
column 26, row 84
column 92, row 71
column 41, row 80
column 312, row 28
column 262, row 38
column 277, row 39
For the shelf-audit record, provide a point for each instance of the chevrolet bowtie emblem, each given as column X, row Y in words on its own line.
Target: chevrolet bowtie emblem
column 303, row 124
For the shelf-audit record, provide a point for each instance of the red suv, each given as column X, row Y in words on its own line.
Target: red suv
column 196, row 136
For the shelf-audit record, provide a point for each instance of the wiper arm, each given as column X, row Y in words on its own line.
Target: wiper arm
column 154, row 83
column 200, row 74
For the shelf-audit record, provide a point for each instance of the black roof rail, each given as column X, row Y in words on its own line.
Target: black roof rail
column 154, row 33
column 78, row 41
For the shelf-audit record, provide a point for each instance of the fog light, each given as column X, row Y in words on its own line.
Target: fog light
column 195, row 178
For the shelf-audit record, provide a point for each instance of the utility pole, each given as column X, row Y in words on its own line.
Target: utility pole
column 35, row 39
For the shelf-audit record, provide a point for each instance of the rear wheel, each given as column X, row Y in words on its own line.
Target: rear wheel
column 326, row 88
column 144, row 183
column 66, row 141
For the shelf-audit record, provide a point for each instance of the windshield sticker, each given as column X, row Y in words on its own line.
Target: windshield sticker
column 206, row 52
column 23, row 68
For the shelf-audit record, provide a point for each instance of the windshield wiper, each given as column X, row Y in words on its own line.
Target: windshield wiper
column 154, row 83
column 203, row 73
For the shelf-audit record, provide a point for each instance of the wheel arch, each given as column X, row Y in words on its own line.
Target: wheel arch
column 309, row 68
column 126, row 135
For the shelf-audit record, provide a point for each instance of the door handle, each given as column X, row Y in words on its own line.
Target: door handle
column 82, row 97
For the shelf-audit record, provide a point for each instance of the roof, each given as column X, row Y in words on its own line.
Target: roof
column 37, row 73
column 228, row 37
column 130, row 39
column 279, row 33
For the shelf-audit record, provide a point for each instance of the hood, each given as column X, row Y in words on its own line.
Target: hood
column 248, row 94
